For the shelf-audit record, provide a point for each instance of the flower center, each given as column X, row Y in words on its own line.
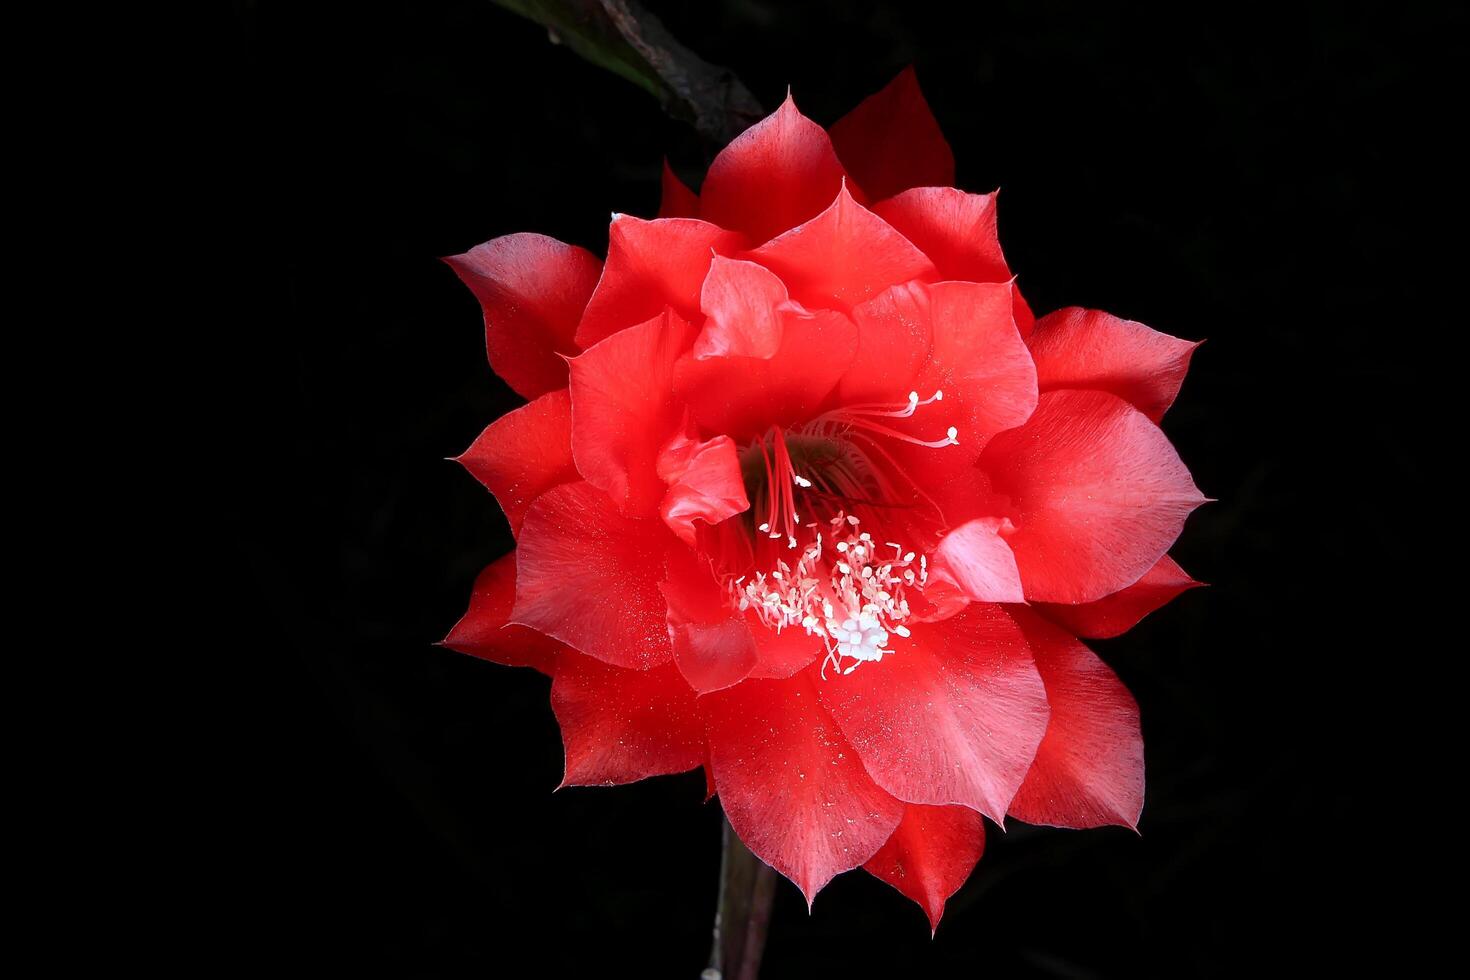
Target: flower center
column 843, row 586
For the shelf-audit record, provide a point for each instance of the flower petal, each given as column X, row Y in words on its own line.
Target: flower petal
column 620, row 726
column 842, row 257
column 1118, row 613
column 1089, row 769
column 483, row 632
column 623, row 412
column 931, row 854
column 792, row 788
column 892, row 141
column 677, row 201
column 1077, row 348
column 704, row 483
column 651, row 265
column 533, row 290
column 976, row 556
column 743, row 302
column 953, row 715
column 744, row 396
column 589, row 577
column 524, row 453
column 957, row 231
column 775, row 175
column 1096, row 492
column 713, row 646
column 782, row 654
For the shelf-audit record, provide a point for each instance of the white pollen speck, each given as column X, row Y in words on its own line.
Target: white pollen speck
column 952, row 433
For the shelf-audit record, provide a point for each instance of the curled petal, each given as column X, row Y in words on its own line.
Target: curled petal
column 713, row 645
column 1077, row 348
column 953, row 715
column 1118, row 613
column 533, row 290
column 744, row 303
column 892, row 141
column 651, row 265
column 677, row 200
column 623, row 411
column 744, row 396
column 775, row 175
column 1088, row 771
column 524, row 453
column 976, row 556
column 483, row 632
column 1097, row 495
column 589, row 577
column 931, row 854
column 704, row 483
column 843, row 256
column 792, row 787
column 620, row 726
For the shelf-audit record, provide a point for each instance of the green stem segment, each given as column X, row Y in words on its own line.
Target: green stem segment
column 747, row 885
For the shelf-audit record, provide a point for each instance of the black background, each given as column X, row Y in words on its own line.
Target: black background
column 1220, row 174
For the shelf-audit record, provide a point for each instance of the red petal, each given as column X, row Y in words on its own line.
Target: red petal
column 792, row 788
column 533, row 290
column 589, row 577
column 744, row 303
column 892, row 141
column 744, row 396
column 775, row 175
column 1089, row 769
column 1077, row 348
column 782, row 654
column 704, row 483
column 978, row 559
column 713, row 647
column 843, row 256
column 957, row 231
column 1097, row 495
column 620, row 726
column 483, row 631
column 523, row 454
column 953, row 715
column 1118, row 613
column 678, row 201
column 622, row 410
column 651, row 265
column 931, row 854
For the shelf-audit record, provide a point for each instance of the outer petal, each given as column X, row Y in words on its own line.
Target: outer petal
column 483, row 632
column 677, row 201
column 843, row 256
column 775, row 175
column 589, row 577
column 892, row 141
column 744, row 303
column 931, row 854
column 623, row 411
column 1089, row 769
column 744, row 396
column 704, row 483
column 651, row 265
column 1096, row 492
column 620, row 726
column 713, row 646
column 524, row 453
column 533, row 290
column 1077, row 348
column 954, row 715
column 792, row 787
column 1118, row 613
column 976, row 556
column 957, row 231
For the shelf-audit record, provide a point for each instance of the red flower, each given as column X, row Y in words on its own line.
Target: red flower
column 805, row 496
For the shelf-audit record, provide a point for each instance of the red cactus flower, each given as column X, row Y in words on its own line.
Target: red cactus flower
column 805, row 495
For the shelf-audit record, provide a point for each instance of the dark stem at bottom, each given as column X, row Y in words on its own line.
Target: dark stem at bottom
column 747, row 885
